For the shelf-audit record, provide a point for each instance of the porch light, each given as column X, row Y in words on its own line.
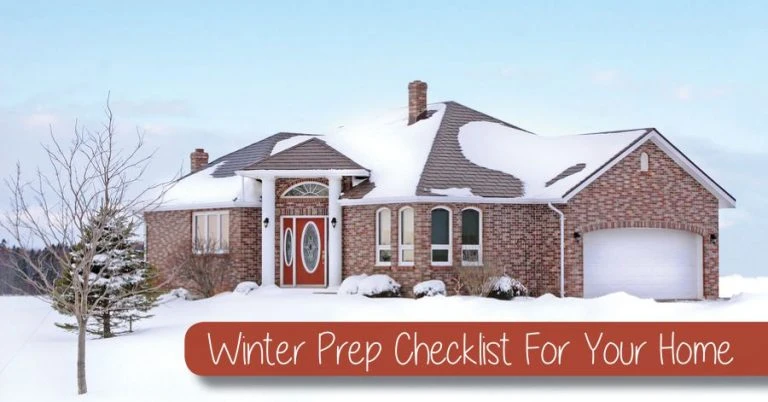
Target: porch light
column 333, row 222
column 266, row 223
column 713, row 238
column 577, row 236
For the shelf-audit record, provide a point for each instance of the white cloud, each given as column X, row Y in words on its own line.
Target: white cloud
column 732, row 217
column 606, row 77
column 39, row 120
column 684, row 93
column 148, row 107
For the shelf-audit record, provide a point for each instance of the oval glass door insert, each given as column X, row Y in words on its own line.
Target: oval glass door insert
column 310, row 247
column 288, row 247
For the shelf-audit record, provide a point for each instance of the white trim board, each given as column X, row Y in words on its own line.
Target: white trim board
column 258, row 174
column 725, row 199
column 204, row 205
column 424, row 199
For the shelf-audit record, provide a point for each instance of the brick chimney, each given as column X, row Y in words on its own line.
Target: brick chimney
column 198, row 159
column 417, row 100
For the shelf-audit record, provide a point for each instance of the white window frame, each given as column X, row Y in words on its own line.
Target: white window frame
column 304, row 196
column 401, row 247
column 380, row 247
column 206, row 214
column 448, row 246
column 479, row 246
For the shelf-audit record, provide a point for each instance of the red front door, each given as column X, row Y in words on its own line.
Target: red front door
column 303, row 245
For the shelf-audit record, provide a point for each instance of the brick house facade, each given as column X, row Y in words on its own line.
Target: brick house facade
column 643, row 182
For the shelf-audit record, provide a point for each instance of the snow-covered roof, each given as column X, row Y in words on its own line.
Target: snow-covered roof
column 217, row 185
column 453, row 153
column 393, row 151
column 547, row 166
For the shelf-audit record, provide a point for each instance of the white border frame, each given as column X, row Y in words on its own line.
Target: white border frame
column 378, row 246
column 400, row 245
column 449, row 246
column 479, row 246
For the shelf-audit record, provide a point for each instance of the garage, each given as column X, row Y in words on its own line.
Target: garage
column 650, row 263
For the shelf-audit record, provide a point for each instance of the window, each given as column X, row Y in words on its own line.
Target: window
column 644, row 162
column 307, row 189
column 471, row 237
column 441, row 236
column 383, row 237
column 210, row 232
column 405, row 246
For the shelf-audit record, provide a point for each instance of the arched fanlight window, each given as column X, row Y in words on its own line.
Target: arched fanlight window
column 307, row 189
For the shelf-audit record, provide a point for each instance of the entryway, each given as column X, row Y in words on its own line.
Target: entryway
column 303, row 242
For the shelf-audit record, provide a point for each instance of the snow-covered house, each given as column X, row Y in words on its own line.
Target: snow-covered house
column 418, row 192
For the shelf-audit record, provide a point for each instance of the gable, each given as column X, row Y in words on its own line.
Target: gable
column 313, row 154
column 629, row 156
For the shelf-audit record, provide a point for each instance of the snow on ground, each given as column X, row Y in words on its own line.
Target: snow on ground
column 732, row 285
column 537, row 159
column 37, row 360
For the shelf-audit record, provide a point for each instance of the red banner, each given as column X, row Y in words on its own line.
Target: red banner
column 477, row 349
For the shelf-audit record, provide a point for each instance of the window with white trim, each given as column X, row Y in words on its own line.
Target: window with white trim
column 307, row 189
column 383, row 237
column 441, row 236
column 210, row 231
column 471, row 237
column 406, row 237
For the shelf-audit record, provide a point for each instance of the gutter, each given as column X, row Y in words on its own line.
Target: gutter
column 562, row 248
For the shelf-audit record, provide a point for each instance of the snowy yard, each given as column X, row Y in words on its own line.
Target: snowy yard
column 37, row 360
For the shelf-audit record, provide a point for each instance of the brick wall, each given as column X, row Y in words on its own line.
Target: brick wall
column 663, row 197
column 520, row 239
column 169, row 242
column 525, row 239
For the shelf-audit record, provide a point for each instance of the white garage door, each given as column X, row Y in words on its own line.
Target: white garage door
column 654, row 263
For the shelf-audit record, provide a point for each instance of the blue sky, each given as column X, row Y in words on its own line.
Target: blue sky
column 227, row 74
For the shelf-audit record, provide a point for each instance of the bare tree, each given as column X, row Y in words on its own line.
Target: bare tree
column 205, row 270
column 89, row 181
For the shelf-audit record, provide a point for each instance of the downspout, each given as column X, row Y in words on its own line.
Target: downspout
column 562, row 248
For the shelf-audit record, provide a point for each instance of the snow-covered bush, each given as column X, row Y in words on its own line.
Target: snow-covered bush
column 175, row 294
column 243, row 288
column 349, row 286
column 378, row 285
column 506, row 288
column 432, row 287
